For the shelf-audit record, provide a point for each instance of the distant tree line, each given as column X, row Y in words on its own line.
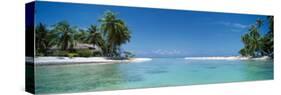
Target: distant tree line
column 108, row 36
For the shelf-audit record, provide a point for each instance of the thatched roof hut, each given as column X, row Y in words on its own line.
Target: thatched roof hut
column 80, row 46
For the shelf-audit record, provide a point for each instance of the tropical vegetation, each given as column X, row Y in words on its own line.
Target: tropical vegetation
column 115, row 32
column 256, row 44
column 62, row 39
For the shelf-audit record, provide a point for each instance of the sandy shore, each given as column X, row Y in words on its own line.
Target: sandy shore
column 228, row 58
column 78, row 60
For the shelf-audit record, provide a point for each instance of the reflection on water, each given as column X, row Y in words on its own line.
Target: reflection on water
column 254, row 71
column 155, row 73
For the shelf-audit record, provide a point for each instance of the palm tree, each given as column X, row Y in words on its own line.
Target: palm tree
column 95, row 37
column 115, row 31
column 246, row 51
column 41, row 32
column 80, row 36
column 65, row 34
column 271, row 21
column 256, row 44
column 45, row 39
column 251, row 40
column 268, row 39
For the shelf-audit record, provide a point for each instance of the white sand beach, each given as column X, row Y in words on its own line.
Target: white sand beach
column 227, row 58
column 78, row 60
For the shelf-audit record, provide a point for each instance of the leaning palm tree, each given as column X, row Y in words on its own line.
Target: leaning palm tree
column 256, row 44
column 66, row 35
column 115, row 31
column 251, row 41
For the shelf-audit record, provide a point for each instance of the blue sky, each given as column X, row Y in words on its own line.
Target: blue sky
column 161, row 32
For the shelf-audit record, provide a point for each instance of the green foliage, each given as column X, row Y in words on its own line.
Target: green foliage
column 39, row 53
column 129, row 54
column 256, row 44
column 71, row 55
column 95, row 38
column 65, row 35
column 80, row 36
column 97, row 53
column 84, row 53
column 45, row 39
column 115, row 32
column 252, row 42
column 60, row 53
column 106, row 38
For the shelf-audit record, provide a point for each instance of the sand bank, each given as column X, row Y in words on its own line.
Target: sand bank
column 227, row 58
column 98, row 60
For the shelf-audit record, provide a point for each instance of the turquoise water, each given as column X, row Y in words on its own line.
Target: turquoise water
column 156, row 73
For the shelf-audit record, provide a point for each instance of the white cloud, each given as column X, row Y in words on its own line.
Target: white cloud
column 166, row 52
column 160, row 52
column 235, row 30
column 234, row 25
column 238, row 25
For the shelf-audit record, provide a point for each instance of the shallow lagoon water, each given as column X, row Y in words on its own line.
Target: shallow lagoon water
column 158, row 72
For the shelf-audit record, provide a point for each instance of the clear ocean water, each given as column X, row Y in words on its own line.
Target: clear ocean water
column 158, row 72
